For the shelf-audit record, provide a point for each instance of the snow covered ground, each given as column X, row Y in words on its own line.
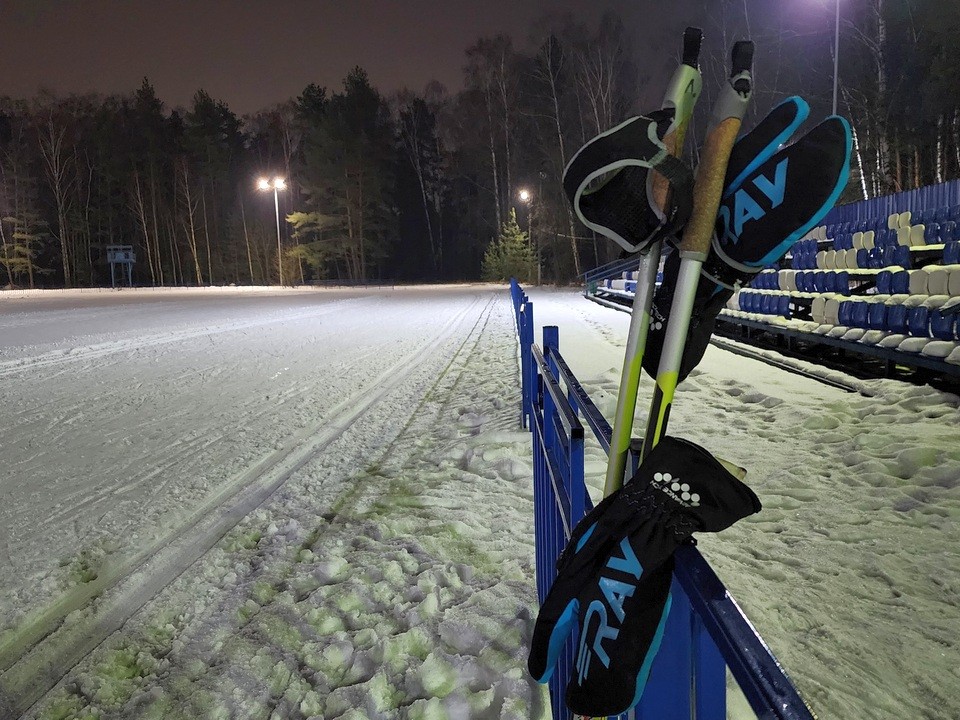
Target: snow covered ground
column 286, row 504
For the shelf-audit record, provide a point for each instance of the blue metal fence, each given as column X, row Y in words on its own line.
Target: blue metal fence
column 707, row 633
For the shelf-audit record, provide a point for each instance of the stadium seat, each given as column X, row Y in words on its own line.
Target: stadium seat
column 884, row 282
column 897, row 319
column 903, row 221
column 917, row 235
column 918, row 282
column 917, row 319
column 900, row 282
column 943, row 327
column 953, row 280
column 951, row 253
column 931, row 234
column 842, row 282
column 938, row 280
column 948, row 231
column 893, row 221
column 877, row 316
column 901, row 257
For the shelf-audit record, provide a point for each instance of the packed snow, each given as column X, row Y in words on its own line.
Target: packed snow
column 317, row 503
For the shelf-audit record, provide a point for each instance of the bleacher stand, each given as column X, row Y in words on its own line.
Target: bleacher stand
column 892, row 282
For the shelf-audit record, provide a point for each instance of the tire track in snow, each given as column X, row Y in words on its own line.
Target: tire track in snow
column 46, row 649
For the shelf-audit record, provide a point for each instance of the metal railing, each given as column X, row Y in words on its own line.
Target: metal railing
column 706, row 632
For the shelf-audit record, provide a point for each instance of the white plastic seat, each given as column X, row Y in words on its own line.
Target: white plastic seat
column 938, row 280
column 821, row 259
column 831, row 309
column 953, row 280
column 817, row 309
column 954, row 357
column 904, row 220
column 940, row 349
column 872, row 337
column 893, row 221
column 903, row 237
column 936, row 301
column 913, row 344
column 918, row 282
column 857, row 240
column 892, row 341
column 830, row 260
column 869, row 238
column 916, row 235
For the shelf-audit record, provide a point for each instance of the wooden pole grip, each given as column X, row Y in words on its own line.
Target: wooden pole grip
column 708, row 186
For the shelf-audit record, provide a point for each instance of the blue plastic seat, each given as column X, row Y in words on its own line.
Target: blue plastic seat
column 951, row 253
column 877, row 316
column 941, row 214
column 943, row 326
column 955, row 213
column 842, row 282
column 819, row 283
column 858, row 315
column 884, row 282
column 783, row 306
column 931, row 233
column 897, row 319
column 919, row 217
column 900, row 283
column 917, row 321
column 830, row 282
column 948, row 231
column 900, row 256
column 863, row 258
column 844, row 312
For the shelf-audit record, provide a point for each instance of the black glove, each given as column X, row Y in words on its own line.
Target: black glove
column 614, row 576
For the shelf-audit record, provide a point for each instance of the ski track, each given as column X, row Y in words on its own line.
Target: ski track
column 111, row 494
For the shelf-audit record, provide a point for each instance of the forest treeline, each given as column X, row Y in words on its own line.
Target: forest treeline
column 413, row 186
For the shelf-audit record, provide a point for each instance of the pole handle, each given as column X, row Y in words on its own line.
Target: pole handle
column 708, row 186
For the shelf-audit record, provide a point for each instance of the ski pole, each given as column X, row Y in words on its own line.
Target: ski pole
column 728, row 115
column 681, row 95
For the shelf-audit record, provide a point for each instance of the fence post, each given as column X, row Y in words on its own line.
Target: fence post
column 527, row 369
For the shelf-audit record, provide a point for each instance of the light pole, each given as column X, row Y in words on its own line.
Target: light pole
column 278, row 184
column 526, row 197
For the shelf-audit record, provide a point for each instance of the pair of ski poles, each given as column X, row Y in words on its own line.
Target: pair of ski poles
column 694, row 246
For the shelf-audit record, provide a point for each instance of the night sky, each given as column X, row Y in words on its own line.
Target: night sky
column 253, row 54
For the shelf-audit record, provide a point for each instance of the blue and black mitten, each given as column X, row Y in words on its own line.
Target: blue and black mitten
column 774, row 194
column 613, row 579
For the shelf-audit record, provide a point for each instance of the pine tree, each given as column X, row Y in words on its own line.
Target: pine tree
column 510, row 255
